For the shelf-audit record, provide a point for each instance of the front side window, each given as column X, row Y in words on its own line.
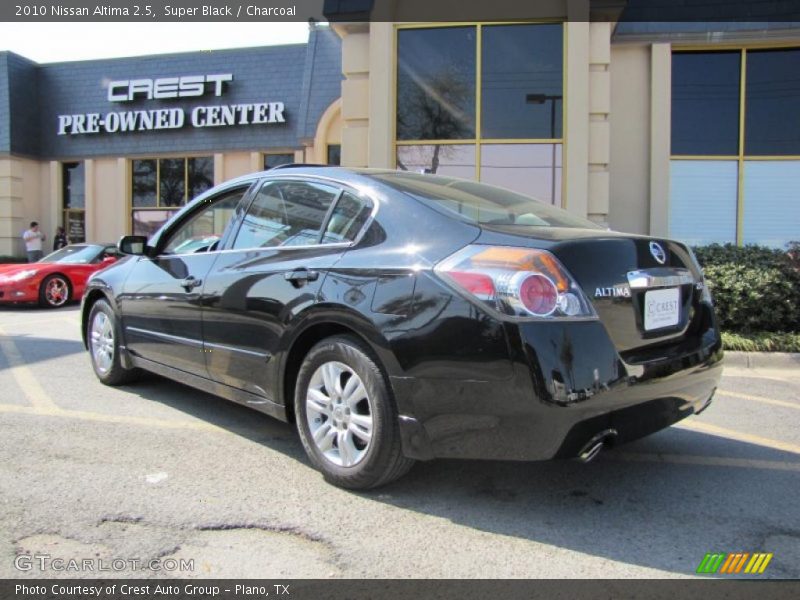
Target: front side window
column 286, row 213
column 160, row 186
column 207, row 225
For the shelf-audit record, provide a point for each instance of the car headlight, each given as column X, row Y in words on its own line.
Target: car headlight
column 21, row 275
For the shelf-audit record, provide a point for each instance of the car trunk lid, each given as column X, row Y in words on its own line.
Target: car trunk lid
column 645, row 290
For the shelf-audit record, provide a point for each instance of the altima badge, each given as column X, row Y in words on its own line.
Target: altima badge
column 622, row 291
column 658, row 253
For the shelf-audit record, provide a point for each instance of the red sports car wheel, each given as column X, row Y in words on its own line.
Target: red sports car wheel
column 54, row 292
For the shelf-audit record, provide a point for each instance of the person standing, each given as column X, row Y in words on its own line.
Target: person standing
column 33, row 242
column 60, row 240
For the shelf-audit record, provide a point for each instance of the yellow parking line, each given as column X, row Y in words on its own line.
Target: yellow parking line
column 701, row 427
column 761, row 399
column 22, row 375
column 709, row 461
column 103, row 418
column 25, row 322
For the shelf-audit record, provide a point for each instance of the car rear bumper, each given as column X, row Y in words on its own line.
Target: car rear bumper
column 569, row 385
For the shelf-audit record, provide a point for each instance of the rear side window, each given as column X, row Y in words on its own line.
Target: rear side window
column 286, row 213
column 347, row 219
column 481, row 203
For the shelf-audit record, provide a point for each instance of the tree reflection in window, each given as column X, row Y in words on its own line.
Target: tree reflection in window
column 201, row 175
column 144, row 182
column 436, row 84
column 172, row 181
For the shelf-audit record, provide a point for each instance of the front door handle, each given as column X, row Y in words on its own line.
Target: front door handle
column 190, row 283
column 299, row 277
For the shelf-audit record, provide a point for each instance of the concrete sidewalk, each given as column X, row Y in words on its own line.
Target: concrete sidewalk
column 763, row 360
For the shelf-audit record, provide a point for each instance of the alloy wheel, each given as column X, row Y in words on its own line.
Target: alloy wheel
column 339, row 414
column 56, row 291
column 102, row 342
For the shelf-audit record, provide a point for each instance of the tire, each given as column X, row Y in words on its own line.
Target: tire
column 103, row 337
column 55, row 291
column 351, row 435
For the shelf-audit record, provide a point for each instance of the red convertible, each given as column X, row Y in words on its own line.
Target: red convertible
column 58, row 277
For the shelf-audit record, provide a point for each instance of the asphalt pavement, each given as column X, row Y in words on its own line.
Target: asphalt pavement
column 159, row 475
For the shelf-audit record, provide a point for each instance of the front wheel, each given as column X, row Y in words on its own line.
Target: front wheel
column 104, row 342
column 346, row 416
column 55, row 291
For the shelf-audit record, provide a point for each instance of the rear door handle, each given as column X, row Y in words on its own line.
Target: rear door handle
column 300, row 276
column 190, row 283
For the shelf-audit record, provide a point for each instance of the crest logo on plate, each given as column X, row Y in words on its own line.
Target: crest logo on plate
column 658, row 253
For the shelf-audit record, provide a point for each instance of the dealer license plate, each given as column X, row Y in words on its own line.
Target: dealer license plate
column 662, row 308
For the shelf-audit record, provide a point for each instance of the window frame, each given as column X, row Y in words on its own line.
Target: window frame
column 189, row 211
column 741, row 157
column 158, row 207
column 68, row 212
column 340, row 186
column 478, row 140
column 265, row 154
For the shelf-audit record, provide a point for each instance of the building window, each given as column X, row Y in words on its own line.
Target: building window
column 735, row 172
column 334, row 154
column 276, row 159
column 74, row 201
column 484, row 102
column 160, row 186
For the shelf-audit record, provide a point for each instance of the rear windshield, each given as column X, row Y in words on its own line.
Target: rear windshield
column 481, row 203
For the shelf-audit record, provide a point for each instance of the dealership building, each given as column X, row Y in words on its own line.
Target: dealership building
column 689, row 130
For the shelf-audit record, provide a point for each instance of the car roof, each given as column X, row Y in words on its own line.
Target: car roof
column 343, row 174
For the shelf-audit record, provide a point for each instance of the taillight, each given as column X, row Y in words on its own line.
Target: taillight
column 521, row 282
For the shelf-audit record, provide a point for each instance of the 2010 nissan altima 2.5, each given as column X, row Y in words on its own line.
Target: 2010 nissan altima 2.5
column 399, row 317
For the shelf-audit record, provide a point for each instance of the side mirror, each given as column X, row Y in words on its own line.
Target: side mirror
column 108, row 260
column 132, row 244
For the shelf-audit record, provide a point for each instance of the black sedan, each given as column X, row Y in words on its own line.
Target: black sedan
column 399, row 317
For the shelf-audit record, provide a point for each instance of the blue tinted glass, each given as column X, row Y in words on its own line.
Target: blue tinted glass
column 705, row 103
column 772, row 97
column 522, row 72
column 436, row 83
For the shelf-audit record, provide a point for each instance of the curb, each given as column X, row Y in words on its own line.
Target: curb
column 763, row 360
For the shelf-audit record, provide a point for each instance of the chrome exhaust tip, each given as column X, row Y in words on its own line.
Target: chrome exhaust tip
column 593, row 447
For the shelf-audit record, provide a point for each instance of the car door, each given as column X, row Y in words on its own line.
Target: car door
column 161, row 299
column 272, row 273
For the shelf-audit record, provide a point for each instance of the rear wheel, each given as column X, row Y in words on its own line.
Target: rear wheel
column 104, row 341
column 346, row 416
column 55, row 291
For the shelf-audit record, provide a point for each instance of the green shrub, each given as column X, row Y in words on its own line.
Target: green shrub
column 761, row 342
column 755, row 288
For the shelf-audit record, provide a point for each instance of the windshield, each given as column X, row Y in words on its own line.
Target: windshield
column 481, row 203
column 73, row 255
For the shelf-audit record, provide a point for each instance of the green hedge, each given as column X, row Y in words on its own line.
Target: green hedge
column 11, row 259
column 761, row 342
column 755, row 289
